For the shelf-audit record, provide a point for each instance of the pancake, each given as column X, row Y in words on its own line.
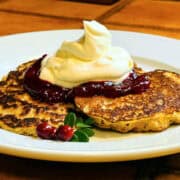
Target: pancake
column 153, row 110
column 20, row 113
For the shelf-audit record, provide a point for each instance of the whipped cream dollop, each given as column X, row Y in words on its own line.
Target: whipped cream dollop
column 90, row 58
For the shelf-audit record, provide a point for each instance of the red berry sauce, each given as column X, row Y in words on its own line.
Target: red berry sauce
column 48, row 92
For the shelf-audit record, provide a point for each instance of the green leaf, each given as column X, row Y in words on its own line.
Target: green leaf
column 82, row 137
column 79, row 120
column 75, row 138
column 89, row 121
column 70, row 119
column 87, row 131
column 82, row 125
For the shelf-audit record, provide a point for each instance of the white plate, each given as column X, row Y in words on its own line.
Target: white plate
column 159, row 52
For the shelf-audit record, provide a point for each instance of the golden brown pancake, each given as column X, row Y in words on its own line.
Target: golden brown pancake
column 153, row 110
column 19, row 112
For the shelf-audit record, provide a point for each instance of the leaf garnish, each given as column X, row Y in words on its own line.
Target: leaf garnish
column 82, row 137
column 89, row 121
column 70, row 119
column 87, row 131
column 82, row 127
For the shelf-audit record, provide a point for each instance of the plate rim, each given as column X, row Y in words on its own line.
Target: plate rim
column 77, row 29
column 87, row 157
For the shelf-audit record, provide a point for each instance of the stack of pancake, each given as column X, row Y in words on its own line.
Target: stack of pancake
column 153, row 110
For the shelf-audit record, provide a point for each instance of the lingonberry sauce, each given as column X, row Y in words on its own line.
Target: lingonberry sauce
column 41, row 89
column 48, row 92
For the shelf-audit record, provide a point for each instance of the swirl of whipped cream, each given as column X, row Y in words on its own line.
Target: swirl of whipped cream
column 90, row 58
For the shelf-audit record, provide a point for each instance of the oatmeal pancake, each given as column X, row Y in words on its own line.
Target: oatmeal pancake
column 19, row 112
column 153, row 110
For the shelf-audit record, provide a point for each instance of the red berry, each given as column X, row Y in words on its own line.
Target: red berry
column 46, row 131
column 65, row 133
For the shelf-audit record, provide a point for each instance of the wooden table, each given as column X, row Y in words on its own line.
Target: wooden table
column 150, row 16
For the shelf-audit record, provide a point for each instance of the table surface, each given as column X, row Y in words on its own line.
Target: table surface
column 160, row 17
